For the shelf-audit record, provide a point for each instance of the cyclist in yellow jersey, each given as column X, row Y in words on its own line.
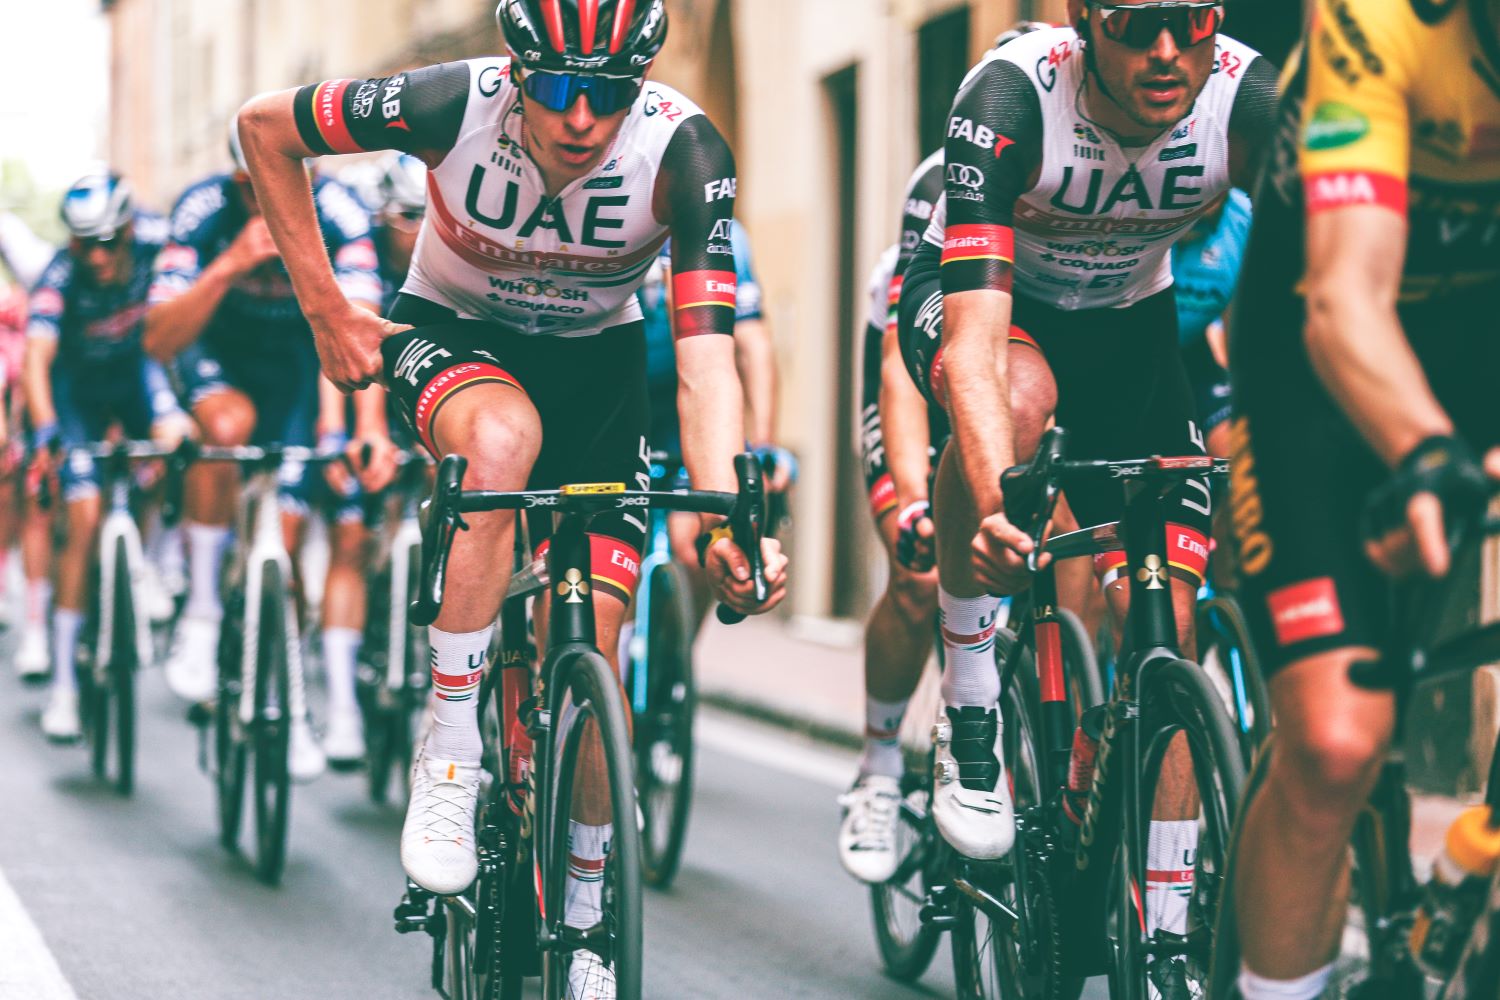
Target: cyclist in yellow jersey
column 1363, row 355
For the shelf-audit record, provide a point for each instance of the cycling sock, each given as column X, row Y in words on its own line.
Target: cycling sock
column 206, row 544
column 968, row 624
column 587, row 847
column 165, row 551
column 457, row 668
column 66, row 624
column 1308, row 987
column 1171, row 857
column 38, row 597
column 882, row 738
column 341, row 662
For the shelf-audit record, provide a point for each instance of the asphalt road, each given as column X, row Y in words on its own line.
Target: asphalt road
column 135, row 898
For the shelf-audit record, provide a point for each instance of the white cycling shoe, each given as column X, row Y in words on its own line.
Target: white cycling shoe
column 305, row 760
column 344, row 742
column 867, row 836
column 60, row 719
column 156, row 601
column 589, row 978
column 33, row 663
column 193, row 667
column 437, row 842
column 971, row 799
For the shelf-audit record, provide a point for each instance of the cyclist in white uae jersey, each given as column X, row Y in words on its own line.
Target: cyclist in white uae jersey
column 1074, row 158
column 554, row 177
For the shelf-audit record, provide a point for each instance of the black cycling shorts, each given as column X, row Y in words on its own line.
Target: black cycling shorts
column 1122, row 392
column 590, row 392
column 879, row 486
column 1302, row 473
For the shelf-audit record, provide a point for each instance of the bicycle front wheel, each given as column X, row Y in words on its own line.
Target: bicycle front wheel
column 123, row 658
column 664, row 733
column 272, row 729
column 591, row 865
column 1191, row 770
column 1229, row 657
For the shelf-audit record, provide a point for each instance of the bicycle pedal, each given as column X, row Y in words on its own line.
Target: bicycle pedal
column 937, row 910
column 413, row 914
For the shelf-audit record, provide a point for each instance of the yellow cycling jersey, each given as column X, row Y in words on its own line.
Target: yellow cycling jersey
column 1402, row 109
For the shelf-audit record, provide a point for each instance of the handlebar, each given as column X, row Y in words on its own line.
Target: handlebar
column 450, row 501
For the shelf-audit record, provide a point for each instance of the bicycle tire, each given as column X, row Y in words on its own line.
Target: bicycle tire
column 585, row 689
column 231, row 754
column 906, row 953
column 272, row 729
column 122, row 669
column 664, row 734
column 1085, row 678
column 1178, row 698
column 1221, row 623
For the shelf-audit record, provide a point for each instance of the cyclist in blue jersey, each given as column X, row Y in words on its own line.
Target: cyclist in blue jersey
column 755, row 357
column 401, row 203
column 1205, row 269
column 85, row 371
column 224, row 313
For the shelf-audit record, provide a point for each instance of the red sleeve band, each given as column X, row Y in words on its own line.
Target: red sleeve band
column 703, row 288
column 328, row 113
column 1340, row 188
column 979, row 242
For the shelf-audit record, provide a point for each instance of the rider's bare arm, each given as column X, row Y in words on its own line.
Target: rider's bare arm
column 694, row 197
column 36, row 378
column 992, row 151
column 755, row 359
column 903, row 421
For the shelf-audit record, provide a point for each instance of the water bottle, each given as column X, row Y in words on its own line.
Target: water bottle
column 1454, row 898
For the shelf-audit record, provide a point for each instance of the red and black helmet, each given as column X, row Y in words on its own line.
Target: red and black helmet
column 614, row 37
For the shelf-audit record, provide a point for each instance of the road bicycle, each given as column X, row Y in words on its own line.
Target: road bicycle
column 394, row 674
column 1067, row 903
column 663, row 697
column 1437, row 634
column 536, row 721
column 261, row 688
column 1226, row 652
column 117, row 636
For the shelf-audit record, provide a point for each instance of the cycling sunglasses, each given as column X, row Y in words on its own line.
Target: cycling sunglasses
column 559, row 91
column 1137, row 26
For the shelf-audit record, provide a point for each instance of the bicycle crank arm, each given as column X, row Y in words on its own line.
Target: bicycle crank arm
column 1002, row 916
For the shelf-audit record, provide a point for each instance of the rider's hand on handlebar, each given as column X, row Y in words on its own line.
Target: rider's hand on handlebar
column 1420, row 542
column 998, row 556
column 349, row 346
column 373, row 457
column 780, row 467
column 915, row 537
column 171, row 430
column 729, row 574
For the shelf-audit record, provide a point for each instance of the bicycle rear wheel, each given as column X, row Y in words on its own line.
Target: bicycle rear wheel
column 122, row 669
column 231, row 754
column 588, row 717
column 272, row 729
column 1181, row 709
column 1085, row 678
column 664, row 733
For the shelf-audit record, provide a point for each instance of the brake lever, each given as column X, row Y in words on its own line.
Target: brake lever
column 443, row 523
column 748, row 523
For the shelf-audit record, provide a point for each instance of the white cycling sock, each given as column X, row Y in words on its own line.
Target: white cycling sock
column 340, row 662
column 66, row 624
column 38, row 598
column 969, row 674
column 882, row 753
column 457, row 669
column 206, row 545
column 1171, row 857
column 1308, row 987
column 165, row 550
column 587, row 848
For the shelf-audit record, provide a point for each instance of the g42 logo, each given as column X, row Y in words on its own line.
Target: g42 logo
column 656, row 106
column 1227, row 63
column 1046, row 67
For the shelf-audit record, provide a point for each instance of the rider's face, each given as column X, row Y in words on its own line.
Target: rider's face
column 1154, row 87
column 569, row 144
column 106, row 262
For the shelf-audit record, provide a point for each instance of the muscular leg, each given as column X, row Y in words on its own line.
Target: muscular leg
column 1291, row 884
column 344, row 599
column 72, row 584
column 227, row 418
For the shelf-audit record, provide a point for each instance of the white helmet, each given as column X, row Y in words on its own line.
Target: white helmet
column 1021, row 28
column 403, row 188
column 98, row 206
column 236, row 151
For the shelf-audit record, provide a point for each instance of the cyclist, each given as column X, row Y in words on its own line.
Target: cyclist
column 223, row 312
column 554, row 176
column 755, row 358
column 898, row 428
column 1371, row 283
column 13, row 313
column 84, row 371
column 1075, row 158
column 402, row 195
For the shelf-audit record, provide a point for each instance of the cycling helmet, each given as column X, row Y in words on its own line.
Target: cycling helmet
column 403, row 185
column 1021, row 28
column 97, row 207
column 236, row 151
column 606, row 37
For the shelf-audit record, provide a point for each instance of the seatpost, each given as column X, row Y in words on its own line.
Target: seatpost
column 1152, row 619
column 569, row 569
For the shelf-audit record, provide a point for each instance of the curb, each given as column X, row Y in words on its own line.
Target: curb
column 820, row 732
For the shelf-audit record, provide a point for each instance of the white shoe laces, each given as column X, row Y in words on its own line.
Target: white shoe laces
column 872, row 817
column 589, row 978
column 444, row 809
